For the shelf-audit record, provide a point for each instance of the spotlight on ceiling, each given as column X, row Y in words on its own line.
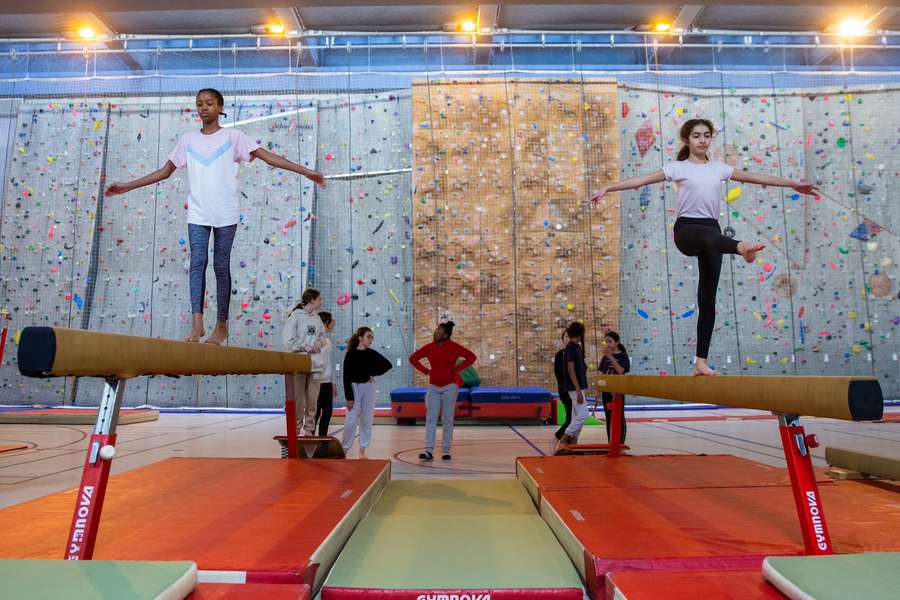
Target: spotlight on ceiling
column 852, row 27
column 469, row 26
column 662, row 26
column 86, row 32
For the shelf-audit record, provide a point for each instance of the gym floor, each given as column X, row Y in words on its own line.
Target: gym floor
column 55, row 454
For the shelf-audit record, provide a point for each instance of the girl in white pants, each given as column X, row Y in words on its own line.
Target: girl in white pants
column 361, row 365
column 575, row 381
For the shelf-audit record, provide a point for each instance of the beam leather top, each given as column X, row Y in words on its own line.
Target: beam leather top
column 847, row 398
column 62, row 352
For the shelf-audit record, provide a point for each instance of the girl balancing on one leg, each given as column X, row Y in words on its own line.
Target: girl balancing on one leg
column 697, row 231
column 211, row 156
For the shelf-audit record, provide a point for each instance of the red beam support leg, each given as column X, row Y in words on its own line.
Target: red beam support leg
column 617, row 407
column 92, row 491
column 803, row 482
column 290, row 415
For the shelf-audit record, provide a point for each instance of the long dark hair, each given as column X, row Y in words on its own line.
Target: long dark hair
column 353, row 342
column 309, row 294
column 326, row 317
column 576, row 332
column 215, row 94
column 685, row 134
column 615, row 337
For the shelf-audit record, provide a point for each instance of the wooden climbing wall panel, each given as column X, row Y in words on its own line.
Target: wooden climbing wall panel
column 504, row 242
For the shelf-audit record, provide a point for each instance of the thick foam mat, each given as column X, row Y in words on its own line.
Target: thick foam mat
column 873, row 576
column 404, row 556
column 256, row 520
column 454, row 497
column 73, row 416
column 690, row 585
column 96, row 579
column 653, row 471
column 607, row 529
column 470, row 539
column 250, row 591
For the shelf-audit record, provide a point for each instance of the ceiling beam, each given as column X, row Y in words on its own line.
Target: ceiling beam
column 686, row 17
column 488, row 17
column 53, row 6
column 293, row 26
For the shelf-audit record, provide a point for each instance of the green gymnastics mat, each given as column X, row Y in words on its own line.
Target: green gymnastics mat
column 872, row 575
column 454, row 497
column 452, row 535
column 97, row 579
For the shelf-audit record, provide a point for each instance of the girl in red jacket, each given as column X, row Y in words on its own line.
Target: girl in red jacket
column 443, row 384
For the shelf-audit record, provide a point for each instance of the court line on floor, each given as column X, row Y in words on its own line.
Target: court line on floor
column 863, row 435
column 527, row 441
column 780, row 457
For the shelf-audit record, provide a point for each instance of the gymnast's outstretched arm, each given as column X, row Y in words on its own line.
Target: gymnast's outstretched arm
column 630, row 184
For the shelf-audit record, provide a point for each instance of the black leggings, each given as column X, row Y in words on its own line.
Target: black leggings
column 566, row 399
column 703, row 238
column 324, row 407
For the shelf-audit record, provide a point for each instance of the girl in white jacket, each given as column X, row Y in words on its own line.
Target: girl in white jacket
column 304, row 332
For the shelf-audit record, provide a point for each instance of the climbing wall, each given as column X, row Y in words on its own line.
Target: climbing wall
column 505, row 245
column 821, row 299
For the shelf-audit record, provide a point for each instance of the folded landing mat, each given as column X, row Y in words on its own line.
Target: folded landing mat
column 608, row 529
column 873, row 576
column 652, row 471
column 250, row 591
column 74, row 416
column 96, row 580
column 690, row 585
column 241, row 520
column 494, row 557
column 454, row 497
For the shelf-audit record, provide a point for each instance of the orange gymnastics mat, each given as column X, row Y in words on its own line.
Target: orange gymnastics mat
column 626, row 529
column 241, row 520
column 690, row 585
column 665, row 471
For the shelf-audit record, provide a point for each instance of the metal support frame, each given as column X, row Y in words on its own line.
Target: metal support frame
column 290, row 416
column 97, row 464
column 810, row 511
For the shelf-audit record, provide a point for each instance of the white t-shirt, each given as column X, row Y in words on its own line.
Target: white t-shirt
column 212, row 166
column 699, row 187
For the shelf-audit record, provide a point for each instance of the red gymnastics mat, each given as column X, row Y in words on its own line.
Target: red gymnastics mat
column 250, row 591
column 665, row 471
column 690, row 585
column 638, row 529
column 241, row 520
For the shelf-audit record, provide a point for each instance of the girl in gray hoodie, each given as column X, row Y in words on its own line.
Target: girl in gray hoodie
column 305, row 332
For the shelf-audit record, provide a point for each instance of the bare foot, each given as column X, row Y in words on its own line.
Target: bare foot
column 701, row 369
column 219, row 334
column 749, row 250
column 197, row 329
column 362, row 453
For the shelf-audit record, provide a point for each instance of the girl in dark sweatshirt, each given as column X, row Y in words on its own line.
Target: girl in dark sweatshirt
column 361, row 365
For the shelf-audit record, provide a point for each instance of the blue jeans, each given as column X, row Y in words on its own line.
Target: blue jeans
column 223, row 240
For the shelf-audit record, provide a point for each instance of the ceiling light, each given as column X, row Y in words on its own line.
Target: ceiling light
column 276, row 28
column 662, row 26
column 852, row 27
column 469, row 26
column 87, row 33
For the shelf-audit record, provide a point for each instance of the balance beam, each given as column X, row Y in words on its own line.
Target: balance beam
column 63, row 352
column 846, row 398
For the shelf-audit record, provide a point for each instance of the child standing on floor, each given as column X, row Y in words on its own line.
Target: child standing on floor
column 559, row 370
column 576, row 381
column 327, row 390
column 304, row 332
column 211, row 156
column 362, row 364
column 443, row 385
column 615, row 361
